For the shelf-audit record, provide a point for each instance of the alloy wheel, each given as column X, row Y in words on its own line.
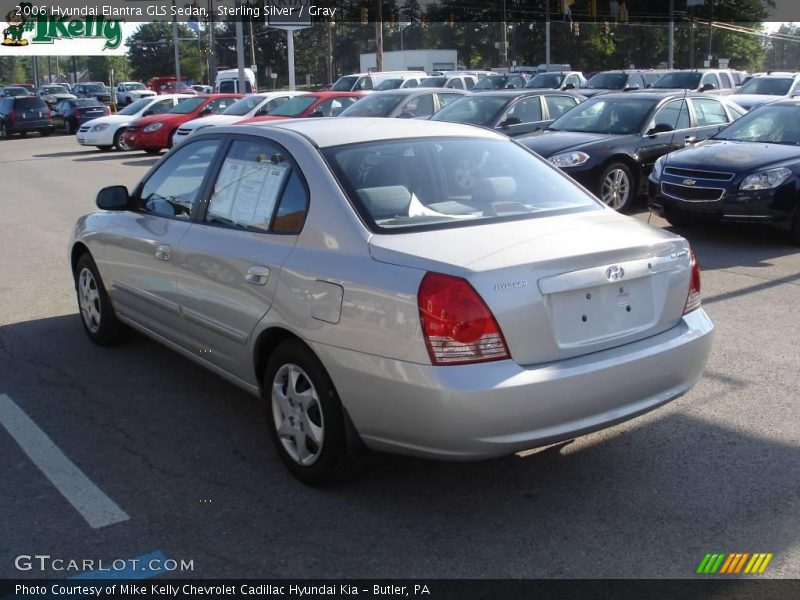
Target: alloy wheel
column 616, row 189
column 89, row 300
column 297, row 414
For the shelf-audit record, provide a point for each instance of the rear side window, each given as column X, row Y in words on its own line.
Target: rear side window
column 30, row 103
column 675, row 114
column 725, row 80
column 709, row 112
column 258, row 189
column 226, row 87
column 527, row 110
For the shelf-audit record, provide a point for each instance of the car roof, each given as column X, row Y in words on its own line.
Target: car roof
column 416, row 90
column 525, row 92
column 786, row 102
column 333, row 131
column 657, row 95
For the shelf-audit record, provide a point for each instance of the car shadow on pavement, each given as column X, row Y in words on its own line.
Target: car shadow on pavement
column 70, row 153
column 159, row 433
column 141, row 162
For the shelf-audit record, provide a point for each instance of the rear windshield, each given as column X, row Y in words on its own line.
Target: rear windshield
column 28, row 103
column 377, row 105
column 294, row 107
column 683, row 81
column 95, row 87
column 770, row 86
column 491, row 82
column 429, row 183
column 546, row 80
column 389, row 84
column 433, row 82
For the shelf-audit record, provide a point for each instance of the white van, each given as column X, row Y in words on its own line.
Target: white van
column 366, row 82
column 227, row 82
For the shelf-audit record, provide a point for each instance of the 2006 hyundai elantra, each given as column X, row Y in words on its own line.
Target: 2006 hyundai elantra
column 418, row 287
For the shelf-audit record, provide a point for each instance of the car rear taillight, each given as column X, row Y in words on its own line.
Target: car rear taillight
column 693, row 297
column 106, row 111
column 458, row 326
column 77, row 112
column 13, row 117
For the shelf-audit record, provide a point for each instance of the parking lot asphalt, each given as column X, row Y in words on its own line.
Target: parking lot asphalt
column 186, row 457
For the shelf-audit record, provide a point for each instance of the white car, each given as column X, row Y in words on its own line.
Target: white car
column 129, row 92
column 106, row 132
column 255, row 105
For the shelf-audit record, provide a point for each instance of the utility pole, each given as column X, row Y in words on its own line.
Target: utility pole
column 671, row 44
column 710, row 22
column 253, row 53
column 330, row 52
column 212, row 53
column 547, row 34
column 177, row 48
column 504, row 38
column 379, row 37
column 240, row 50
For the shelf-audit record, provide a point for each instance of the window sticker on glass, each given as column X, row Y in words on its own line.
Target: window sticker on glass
column 246, row 192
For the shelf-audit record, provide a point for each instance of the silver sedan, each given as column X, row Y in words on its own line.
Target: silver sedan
column 417, row 287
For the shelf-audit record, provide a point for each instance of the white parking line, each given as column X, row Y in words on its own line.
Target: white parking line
column 94, row 506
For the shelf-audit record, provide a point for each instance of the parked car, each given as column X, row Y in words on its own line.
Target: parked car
column 456, row 82
column 129, row 92
column 366, row 82
column 31, row 89
column 511, row 112
column 712, row 81
column 202, row 89
column 510, row 81
column 14, row 91
column 227, row 82
column 106, row 132
column 560, row 80
column 419, row 103
column 166, row 85
column 53, row 93
column 767, row 88
column 748, row 172
column 337, row 273
column 398, row 83
column 69, row 115
column 619, row 81
column 255, row 105
column 93, row 90
column 156, row 132
column 315, row 104
column 610, row 142
column 23, row 115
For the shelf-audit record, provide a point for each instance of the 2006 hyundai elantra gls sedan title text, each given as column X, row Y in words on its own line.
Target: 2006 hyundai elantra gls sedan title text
column 423, row 288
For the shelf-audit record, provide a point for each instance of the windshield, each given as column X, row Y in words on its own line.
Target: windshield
column 377, row 105
column 243, row 106
column 186, row 107
column 491, row 82
column 135, row 86
column 546, row 80
column 768, row 124
column 94, row 87
column 389, row 84
column 607, row 81
column 15, row 91
column 294, row 107
column 422, row 183
column 54, row 89
column 433, row 82
column 771, row 86
column 135, row 107
column 345, row 84
column 683, row 81
column 620, row 116
column 476, row 110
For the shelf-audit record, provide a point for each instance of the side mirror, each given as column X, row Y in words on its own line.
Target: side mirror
column 631, row 87
column 205, row 112
column 660, row 128
column 509, row 122
column 317, row 113
column 148, row 112
column 115, row 197
column 261, row 112
column 569, row 86
column 405, row 115
column 708, row 86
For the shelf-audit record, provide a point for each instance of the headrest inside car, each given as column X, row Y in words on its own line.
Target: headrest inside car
column 386, row 202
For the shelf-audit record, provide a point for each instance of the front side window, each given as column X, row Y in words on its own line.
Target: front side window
column 673, row 114
column 333, row 107
column 218, row 105
column 455, row 84
column 709, row 112
column 445, row 99
column 527, row 110
column 173, row 190
column 187, row 106
column 420, row 106
column 294, row 107
column 558, row 105
column 710, row 78
column 478, row 110
column 447, row 182
column 258, row 189
column 365, row 83
column 344, row 84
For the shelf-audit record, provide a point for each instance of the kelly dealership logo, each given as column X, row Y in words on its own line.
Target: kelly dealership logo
column 46, row 28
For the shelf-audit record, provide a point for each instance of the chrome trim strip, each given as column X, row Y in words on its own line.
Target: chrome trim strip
column 172, row 307
column 214, row 325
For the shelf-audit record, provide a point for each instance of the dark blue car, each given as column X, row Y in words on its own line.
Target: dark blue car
column 748, row 172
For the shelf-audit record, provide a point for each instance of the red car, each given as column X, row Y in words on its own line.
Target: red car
column 154, row 133
column 316, row 104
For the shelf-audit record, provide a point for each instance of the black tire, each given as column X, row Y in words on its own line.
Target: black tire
column 171, row 141
column 152, row 150
column 330, row 460
column 104, row 329
column 45, row 132
column 68, row 127
column 679, row 219
column 118, row 143
column 630, row 180
column 794, row 232
column 105, row 148
column 4, row 132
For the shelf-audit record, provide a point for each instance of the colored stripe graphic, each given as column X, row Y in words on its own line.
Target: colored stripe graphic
column 728, row 563
column 741, row 562
column 733, row 563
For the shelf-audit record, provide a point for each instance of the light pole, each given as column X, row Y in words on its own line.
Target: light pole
column 177, row 49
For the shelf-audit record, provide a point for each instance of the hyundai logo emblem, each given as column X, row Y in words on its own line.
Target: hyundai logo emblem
column 615, row 273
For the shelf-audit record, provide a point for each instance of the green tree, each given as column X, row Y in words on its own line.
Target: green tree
column 151, row 53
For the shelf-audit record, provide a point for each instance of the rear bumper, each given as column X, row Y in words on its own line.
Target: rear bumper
column 480, row 411
column 32, row 125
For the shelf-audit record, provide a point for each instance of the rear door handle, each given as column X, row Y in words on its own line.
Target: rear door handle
column 163, row 252
column 257, row 275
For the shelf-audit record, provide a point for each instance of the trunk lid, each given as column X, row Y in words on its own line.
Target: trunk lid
column 559, row 286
